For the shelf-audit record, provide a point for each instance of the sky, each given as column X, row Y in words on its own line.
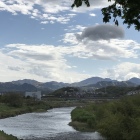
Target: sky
column 47, row 40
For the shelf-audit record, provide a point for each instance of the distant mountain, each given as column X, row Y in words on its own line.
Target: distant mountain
column 96, row 82
column 53, row 85
column 28, row 81
column 10, row 87
column 135, row 80
column 102, row 84
column 90, row 81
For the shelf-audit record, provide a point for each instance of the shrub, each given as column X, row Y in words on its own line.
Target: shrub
column 117, row 120
column 12, row 99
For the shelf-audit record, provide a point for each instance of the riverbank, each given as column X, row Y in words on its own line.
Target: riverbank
column 45, row 126
column 9, row 111
column 29, row 106
column 4, row 136
column 113, row 120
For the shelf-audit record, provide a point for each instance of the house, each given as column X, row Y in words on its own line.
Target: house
column 36, row 95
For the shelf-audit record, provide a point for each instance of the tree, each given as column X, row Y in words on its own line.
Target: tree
column 128, row 10
column 12, row 99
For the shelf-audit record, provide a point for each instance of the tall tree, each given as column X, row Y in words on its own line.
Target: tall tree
column 127, row 10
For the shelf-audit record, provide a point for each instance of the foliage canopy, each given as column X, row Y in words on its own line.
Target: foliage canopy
column 127, row 10
column 115, row 120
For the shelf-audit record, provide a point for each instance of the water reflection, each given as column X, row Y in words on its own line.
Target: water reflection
column 51, row 125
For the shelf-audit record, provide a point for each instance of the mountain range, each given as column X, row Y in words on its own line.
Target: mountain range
column 93, row 82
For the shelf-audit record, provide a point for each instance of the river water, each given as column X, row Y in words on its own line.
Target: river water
column 50, row 125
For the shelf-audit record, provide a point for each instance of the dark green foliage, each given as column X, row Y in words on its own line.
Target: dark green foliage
column 61, row 92
column 116, row 91
column 117, row 120
column 138, row 88
column 82, row 115
column 128, row 10
column 78, row 3
column 12, row 99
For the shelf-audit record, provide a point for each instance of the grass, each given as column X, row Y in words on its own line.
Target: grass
column 4, row 136
column 80, row 126
column 30, row 105
column 27, row 107
column 114, row 120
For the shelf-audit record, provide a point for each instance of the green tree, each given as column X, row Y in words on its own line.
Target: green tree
column 127, row 10
column 13, row 99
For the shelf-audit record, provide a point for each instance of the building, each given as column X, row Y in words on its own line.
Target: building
column 36, row 95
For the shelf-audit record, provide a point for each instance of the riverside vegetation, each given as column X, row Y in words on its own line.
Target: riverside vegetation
column 13, row 104
column 4, row 136
column 115, row 120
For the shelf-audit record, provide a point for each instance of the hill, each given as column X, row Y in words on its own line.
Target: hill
column 10, row 87
column 47, row 87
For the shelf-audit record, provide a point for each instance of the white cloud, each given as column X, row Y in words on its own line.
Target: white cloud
column 92, row 14
column 76, row 28
column 40, row 62
column 48, row 62
column 105, row 42
column 112, row 49
column 16, row 6
column 48, row 11
column 123, row 71
column 70, row 39
column 44, row 22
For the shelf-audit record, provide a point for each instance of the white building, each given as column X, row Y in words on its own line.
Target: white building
column 36, row 95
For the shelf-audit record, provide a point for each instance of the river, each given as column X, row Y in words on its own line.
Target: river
column 50, row 125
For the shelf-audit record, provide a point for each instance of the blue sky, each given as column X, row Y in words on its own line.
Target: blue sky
column 46, row 40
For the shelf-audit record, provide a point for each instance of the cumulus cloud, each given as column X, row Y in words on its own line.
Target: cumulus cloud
column 103, row 42
column 123, row 71
column 101, row 32
column 41, row 62
column 16, row 6
column 15, row 68
column 48, row 11
column 48, row 62
column 111, row 49
column 77, row 28
column 70, row 39
column 12, row 68
column 92, row 14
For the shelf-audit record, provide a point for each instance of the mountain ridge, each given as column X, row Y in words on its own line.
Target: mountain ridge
column 94, row 82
